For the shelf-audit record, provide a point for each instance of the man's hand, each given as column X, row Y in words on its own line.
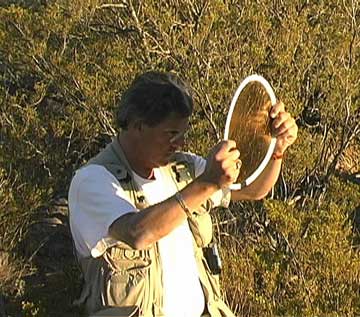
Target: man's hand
column 223, row 164
column 284, row 127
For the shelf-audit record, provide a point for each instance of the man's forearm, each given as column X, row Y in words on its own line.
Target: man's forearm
column 262, row 185
column 141, row 229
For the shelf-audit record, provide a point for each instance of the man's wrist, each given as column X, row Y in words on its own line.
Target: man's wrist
column 279, row 152
column 206, row 184
column 277, row 156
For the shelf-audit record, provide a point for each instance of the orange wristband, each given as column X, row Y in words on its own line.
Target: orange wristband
column 277, row 156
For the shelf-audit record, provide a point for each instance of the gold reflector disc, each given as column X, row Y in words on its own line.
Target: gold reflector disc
column 248, row 124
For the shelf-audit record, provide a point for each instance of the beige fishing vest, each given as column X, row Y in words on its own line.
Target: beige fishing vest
column 131, row 279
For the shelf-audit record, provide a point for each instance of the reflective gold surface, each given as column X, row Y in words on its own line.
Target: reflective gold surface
column 250, row 127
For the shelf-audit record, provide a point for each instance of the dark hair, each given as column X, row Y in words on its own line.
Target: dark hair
column 152, row 97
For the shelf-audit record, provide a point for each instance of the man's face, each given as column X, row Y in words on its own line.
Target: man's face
column 161, row 141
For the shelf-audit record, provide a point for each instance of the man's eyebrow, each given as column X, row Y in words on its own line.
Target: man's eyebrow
column 174, row 130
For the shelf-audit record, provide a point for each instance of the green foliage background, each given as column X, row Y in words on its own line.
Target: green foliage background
column 64, row 63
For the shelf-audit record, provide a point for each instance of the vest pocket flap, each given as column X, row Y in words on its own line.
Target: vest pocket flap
column 128, row 260
column 107, row 243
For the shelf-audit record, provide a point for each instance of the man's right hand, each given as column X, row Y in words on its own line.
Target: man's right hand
column 222, row 167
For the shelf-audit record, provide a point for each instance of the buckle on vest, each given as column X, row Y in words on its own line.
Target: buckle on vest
column 122, row 175
column 140, row 202
column 181, row 172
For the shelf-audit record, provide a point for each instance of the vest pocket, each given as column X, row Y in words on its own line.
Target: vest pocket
column 127, row 280
column 125, row 288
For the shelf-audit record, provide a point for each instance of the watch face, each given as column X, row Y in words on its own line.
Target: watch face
column 249, row 125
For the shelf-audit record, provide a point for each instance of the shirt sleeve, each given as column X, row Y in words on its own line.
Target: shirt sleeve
column 222, row 197
column 96, row 200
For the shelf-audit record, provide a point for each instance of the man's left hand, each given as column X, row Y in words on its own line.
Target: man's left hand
column 284, row 127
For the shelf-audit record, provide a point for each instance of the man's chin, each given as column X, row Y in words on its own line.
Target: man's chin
column 166, row 160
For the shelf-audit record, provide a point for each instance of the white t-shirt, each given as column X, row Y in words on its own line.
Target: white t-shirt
column 96, row 200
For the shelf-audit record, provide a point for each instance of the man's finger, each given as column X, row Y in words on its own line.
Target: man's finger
column 280, row 118
column 284, row 126
column 276, row 109
column 225, row 147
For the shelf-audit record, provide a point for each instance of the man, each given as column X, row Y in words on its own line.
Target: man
column 139, row 211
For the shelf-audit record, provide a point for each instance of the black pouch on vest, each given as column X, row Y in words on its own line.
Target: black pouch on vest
column 212, row 257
